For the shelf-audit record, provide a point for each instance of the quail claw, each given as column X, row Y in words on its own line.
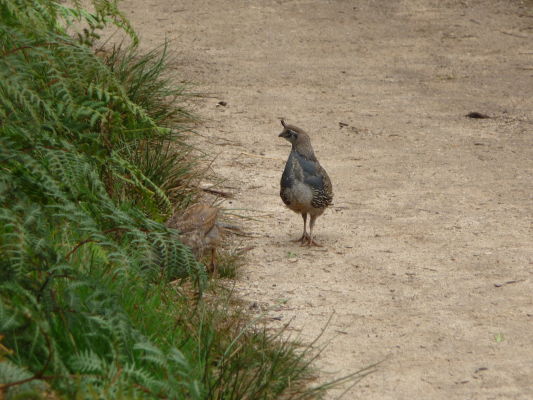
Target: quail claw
column 302, row 240
column 311, row 242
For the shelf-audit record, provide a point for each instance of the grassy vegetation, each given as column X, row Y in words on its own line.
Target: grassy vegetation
column 97, row 298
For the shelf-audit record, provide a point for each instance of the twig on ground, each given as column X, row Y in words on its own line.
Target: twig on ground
column 514, row 35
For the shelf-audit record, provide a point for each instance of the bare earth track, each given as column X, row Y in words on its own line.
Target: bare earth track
column 428, row 256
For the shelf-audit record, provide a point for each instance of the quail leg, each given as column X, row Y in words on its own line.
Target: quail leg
column 310, row 241
column 305, row 236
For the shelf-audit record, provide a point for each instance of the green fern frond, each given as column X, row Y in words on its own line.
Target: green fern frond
column 151, row 353
column 87, row 361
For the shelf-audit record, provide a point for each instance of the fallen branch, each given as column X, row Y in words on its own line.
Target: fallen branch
column 226, row 195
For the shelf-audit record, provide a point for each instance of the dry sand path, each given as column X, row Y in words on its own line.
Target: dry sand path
column 428, row 256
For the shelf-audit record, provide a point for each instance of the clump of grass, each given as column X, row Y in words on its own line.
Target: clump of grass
column 165, row 159
column 250, row 360
column 229, row 260
column 148, row 82
column 173, row 167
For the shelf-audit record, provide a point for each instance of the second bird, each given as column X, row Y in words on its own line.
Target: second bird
column 305, row 186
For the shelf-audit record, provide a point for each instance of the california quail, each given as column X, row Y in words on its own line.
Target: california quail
column 305, row 185
column 199, row 229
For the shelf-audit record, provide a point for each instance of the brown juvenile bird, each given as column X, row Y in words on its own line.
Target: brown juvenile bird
column 305, row 185
column 199, row 229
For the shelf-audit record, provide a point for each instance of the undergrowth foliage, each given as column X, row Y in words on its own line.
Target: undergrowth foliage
column 77, row 226
column 147, row 82
column 98, row 299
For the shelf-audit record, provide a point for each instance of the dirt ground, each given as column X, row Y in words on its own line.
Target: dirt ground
column 427, row 261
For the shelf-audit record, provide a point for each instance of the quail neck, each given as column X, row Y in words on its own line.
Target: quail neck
column 300, row 141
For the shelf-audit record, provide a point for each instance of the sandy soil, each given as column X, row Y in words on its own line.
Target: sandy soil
column 428, row 257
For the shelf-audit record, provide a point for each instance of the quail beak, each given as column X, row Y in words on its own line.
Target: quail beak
column 282, row 134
